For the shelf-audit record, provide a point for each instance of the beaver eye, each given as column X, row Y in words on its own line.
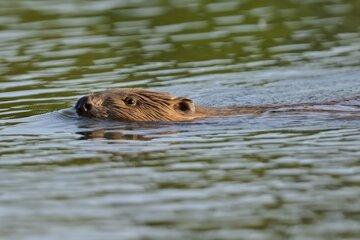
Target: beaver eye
column 130, row 101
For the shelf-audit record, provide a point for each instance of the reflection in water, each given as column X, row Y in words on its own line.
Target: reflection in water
column 282, row 175
column 112, row 135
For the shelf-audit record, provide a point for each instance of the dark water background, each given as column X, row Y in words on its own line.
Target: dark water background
column 275, row 176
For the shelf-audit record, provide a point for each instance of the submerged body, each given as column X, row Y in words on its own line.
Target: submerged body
column 136, row 104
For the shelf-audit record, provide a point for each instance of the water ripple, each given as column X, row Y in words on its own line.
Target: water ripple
column 275, row 176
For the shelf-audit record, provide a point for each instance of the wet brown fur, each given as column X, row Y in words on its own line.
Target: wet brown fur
column 160, row 106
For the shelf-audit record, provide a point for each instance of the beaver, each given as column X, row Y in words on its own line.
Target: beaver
column 137, row 104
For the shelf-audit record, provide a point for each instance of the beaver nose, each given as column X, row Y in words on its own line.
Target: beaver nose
column 83, row 105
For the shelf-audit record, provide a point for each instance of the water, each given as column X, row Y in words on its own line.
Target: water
column 278, row 175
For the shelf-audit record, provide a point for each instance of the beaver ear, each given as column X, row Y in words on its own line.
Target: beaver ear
column 184, row 105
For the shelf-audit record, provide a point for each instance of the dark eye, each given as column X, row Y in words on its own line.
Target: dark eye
column 130, row 101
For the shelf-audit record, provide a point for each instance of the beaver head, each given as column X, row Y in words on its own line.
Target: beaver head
column 135, row 104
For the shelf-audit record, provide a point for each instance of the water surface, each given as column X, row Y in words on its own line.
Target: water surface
column 277, row 175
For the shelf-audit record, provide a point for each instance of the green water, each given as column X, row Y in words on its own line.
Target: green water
column 273, row 176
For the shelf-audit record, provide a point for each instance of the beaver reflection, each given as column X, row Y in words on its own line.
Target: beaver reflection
column 112, row 135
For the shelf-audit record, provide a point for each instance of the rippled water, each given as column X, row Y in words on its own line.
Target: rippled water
column 278, row 175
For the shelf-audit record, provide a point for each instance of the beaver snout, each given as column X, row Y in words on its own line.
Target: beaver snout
column 83, row 106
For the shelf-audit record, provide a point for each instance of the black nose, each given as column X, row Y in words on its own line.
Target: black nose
column 83, row 106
